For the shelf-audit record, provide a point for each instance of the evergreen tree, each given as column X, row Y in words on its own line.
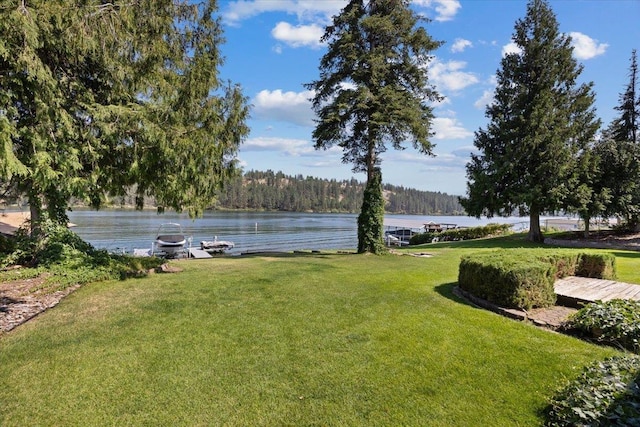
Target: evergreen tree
column 625, row 127
column 373, row 90
column 618, row 152
column 540, row 119
column 99, row 97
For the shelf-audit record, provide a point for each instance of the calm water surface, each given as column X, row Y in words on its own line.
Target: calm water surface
column 125, row 229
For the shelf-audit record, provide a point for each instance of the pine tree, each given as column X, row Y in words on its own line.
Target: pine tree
column 539, row 121
column 98, row 97
column 373, row 91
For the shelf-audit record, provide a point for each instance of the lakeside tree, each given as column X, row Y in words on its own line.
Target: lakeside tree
column 540, row 120
column 373, row 92
column 618, row 154
column 98, row 97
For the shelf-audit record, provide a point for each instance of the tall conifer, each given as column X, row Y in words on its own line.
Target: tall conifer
column 539, row 121
column 372, row 93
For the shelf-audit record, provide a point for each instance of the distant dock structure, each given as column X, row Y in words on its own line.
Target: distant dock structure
column 398, row 232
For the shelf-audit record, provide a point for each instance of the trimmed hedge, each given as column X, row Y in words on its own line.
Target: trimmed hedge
column 517, row 278
column 607, row 393
column 470, row 233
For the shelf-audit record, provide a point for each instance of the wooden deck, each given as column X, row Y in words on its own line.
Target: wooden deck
column 576, row 291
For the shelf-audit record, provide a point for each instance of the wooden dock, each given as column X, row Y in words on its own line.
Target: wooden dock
column 577, row 291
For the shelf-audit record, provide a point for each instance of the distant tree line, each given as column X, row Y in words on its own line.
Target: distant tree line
column 276, row 191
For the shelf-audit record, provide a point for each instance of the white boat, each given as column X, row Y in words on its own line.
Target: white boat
column 216, row 246
column 170, row 240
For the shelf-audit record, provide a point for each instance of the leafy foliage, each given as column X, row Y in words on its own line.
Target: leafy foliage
column 67, row 259
column 606, row 393
column 540, row 119
column 99, row 97
column 615, row 322
column 470, row 233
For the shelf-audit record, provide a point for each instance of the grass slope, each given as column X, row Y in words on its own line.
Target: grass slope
column 285, row 340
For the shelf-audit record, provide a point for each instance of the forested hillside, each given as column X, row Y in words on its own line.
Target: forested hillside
column 279, row 192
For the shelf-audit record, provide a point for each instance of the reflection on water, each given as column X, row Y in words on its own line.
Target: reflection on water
column 126, row 229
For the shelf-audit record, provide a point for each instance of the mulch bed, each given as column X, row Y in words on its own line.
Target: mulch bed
column 21, row 300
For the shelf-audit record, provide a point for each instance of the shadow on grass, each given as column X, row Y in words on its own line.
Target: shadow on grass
column 629, row 254
column 294, row 254
column 518, row 240
column 446, row 290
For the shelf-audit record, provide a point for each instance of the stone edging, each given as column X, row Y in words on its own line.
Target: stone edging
column 549, row 318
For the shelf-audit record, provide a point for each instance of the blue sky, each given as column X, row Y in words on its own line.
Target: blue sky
column 273, row 48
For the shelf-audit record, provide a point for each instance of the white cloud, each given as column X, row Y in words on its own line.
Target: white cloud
column 441, row 162
column 486, row 99
column 314, row 10
column 449, row 128
column 293, row 147
column 240, row 10
column 459, row 45
column 584, row 47
column 301, row 35
column 446, row 9
column 449, row 75
column 293, row 107
column 511, row 48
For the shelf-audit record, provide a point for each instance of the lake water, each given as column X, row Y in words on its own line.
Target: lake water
column 122, row 230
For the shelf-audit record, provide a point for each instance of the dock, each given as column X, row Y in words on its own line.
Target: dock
column 577, row 291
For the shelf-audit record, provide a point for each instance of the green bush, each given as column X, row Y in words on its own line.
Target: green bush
column 615, row 322
column 599, row 266
column 524, row 278
column 607, row 393
column 68, row 259
column 470, row 233
column 508, row 281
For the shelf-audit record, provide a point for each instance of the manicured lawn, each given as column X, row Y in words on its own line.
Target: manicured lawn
column 285, row 340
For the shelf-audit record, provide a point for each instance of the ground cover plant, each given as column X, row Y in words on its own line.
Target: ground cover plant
column 606, row 393
column 285, row 340
column 615, row 322
column 65, row 259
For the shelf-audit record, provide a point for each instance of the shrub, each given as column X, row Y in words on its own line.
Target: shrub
column 524, row 278
column 69, row 260
column 615, row 322
column 607, row 393
column 508, row 281
column 462, row 233
column 600, row 266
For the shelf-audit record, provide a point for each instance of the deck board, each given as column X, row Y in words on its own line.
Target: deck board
column 588, row 289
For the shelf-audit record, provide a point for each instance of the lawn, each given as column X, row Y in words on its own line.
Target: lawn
column 301, row 339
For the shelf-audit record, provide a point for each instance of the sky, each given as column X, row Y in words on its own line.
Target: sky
column 273, row 49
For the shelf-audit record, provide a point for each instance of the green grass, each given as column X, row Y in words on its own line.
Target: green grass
column 286, row 340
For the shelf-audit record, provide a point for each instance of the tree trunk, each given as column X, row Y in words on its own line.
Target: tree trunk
column 35, row 209
column 587, row 226
column 535, row 234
